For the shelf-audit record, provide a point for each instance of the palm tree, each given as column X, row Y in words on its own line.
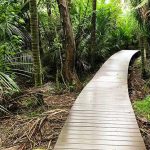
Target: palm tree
column 141, row 12
column 35, row 43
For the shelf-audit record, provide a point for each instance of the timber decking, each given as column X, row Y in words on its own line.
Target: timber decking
column 102, row 117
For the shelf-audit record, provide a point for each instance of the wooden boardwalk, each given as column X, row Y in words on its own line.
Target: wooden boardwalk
column 102, row 117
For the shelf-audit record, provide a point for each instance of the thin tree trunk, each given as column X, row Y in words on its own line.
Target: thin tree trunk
column 93, row 30
column 69, row 44
column 80, row 31
column 40, row 44
column 35, row 43
column 141, row 45
column 146, row 52
column 48, row 6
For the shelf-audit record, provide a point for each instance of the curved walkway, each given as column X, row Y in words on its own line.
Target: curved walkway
column 102, row 117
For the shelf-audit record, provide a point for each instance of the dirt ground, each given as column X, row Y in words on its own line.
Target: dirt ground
column 137, row 91
column 33, row 126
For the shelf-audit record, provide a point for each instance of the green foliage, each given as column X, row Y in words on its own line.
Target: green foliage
column 142, row 107
column 128, row 28
column 115, row 30
column 140, row 9
column 107, row 29
column 7, row 85
column 9, row 24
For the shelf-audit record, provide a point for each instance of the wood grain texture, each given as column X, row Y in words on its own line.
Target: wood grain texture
column 102, row 117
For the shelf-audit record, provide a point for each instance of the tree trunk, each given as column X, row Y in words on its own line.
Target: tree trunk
column 93, row 31
column 48, row 6
column 81, row 30
column 142, row 46
column 69, row 44
column 40, row 43
column 146, row 48
column 35, row 43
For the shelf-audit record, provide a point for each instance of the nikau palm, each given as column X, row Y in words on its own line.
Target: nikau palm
column 35, row 43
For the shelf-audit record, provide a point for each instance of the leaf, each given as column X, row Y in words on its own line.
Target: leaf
column 141, row 4
column 3, row 109
column 8, row 84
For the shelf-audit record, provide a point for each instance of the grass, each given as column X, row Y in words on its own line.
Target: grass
column 142, row 107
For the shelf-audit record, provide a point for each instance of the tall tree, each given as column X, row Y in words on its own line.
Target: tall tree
column 68, row 44
column 93, row 29
column 35, row 43
column 141, row 12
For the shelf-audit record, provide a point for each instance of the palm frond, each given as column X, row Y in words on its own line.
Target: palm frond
column 3, row 109
column 7, row 84
column 21, row 63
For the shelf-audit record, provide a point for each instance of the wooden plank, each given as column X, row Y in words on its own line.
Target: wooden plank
column 104, row 137
column 98, row 125
column 101, row 122
column 109, row 129
column 103, row 132
column 98, row 147
column 102, row 117
column 112, row 142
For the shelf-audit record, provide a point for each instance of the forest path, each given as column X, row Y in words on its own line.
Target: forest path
column 102, row 117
